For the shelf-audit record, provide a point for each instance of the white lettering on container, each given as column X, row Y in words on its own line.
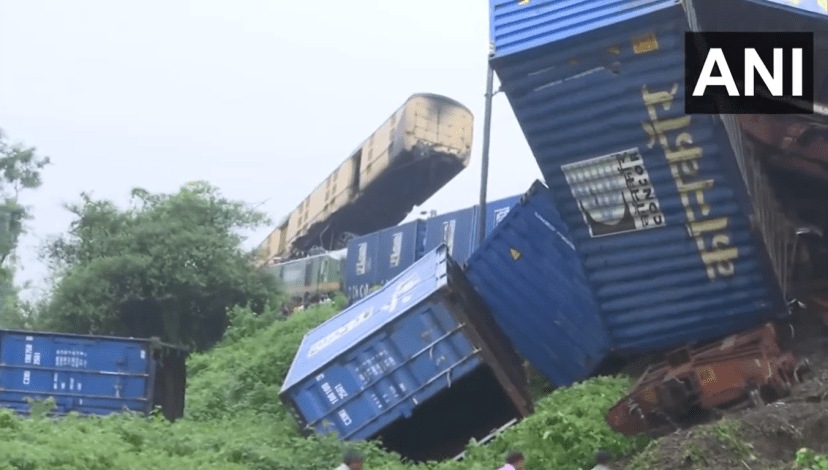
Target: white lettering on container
column 396, row 250
column 339, row 332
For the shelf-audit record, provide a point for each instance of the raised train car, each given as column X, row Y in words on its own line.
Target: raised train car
column 413, row 154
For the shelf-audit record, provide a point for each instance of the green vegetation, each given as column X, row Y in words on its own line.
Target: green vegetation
column 169, row 266
column 20, row 168
column 807, row 459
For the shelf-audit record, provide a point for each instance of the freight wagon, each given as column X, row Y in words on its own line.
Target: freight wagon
column 411, row 364
column 413, row 154
column 95, row 375
column 653, row 199
column 371, row 260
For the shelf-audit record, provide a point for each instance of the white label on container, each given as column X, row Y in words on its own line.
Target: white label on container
column 402, row 294
column 614, row 193
column 27, row 377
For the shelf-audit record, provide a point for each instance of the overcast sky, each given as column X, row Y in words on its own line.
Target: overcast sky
column 262, row 98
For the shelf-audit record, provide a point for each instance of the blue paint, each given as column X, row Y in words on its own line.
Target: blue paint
column 497, row 210
column 518, row 29
column 84, row 374
column 458, row 230
column 361, row 272
column 399, row 248
column 530, row 277
column 380, row 359
column 647, row 273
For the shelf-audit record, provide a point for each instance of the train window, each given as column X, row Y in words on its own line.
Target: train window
column 323, row 271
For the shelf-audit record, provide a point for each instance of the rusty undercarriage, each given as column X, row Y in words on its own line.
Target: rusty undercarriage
column 741, row 370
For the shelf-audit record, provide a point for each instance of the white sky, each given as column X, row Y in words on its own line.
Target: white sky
column 261, row 98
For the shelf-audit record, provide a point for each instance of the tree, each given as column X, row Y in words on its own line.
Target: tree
column 171, row 266
column 20, row 168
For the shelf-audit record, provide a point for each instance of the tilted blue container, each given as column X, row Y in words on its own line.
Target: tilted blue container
column 457, row 230
column 95, row 375
column 413, row 363
column 497, row 210
column 653, row 198
column 530, row 277
column 361, row 271
column 399, row 248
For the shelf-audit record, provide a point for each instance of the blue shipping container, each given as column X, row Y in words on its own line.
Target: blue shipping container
column 497, row 210
column 518, row 29
column 91, row 374
column 413, row 363
column 457, row 230
column 399, row 248
column 653, row 198
column 361, row 272
column 530, row 277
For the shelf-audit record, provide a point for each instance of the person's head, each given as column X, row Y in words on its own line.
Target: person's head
column 602, row 457
column 353, row 460
column 516, row 459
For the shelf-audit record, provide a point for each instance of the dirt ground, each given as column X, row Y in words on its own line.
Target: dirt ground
column 758, row 438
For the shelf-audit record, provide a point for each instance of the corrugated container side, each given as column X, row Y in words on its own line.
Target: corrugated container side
column 90, row 374
column 412, row 363
column 497, row 210
column 361, row 272
column 653, row 198
column 518, row 28
column 529, row 275
column 399, row 248
column 457, row 230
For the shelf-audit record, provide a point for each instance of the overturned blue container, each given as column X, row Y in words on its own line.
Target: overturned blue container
column 530, row 277
column 418, row 364
column 399, row 248
column 653, row 199
column 361, row 271
column 95, row 375
column 457, row 230
column 497, row 210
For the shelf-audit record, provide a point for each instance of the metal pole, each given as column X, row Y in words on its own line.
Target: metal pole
column 484, row 165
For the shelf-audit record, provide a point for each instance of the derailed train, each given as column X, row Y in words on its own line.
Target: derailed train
column 655, row 231
column 414, row 153
column 369, row 261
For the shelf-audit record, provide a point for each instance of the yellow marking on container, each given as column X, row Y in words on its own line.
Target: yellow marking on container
column 614, row 50
column 645, row 43
column 515, row 254
column 823, row 4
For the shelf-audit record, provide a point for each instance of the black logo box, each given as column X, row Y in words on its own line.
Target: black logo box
column 716, row 99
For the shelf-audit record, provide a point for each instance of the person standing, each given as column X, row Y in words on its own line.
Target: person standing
column 514, row 461
column 352, row 460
